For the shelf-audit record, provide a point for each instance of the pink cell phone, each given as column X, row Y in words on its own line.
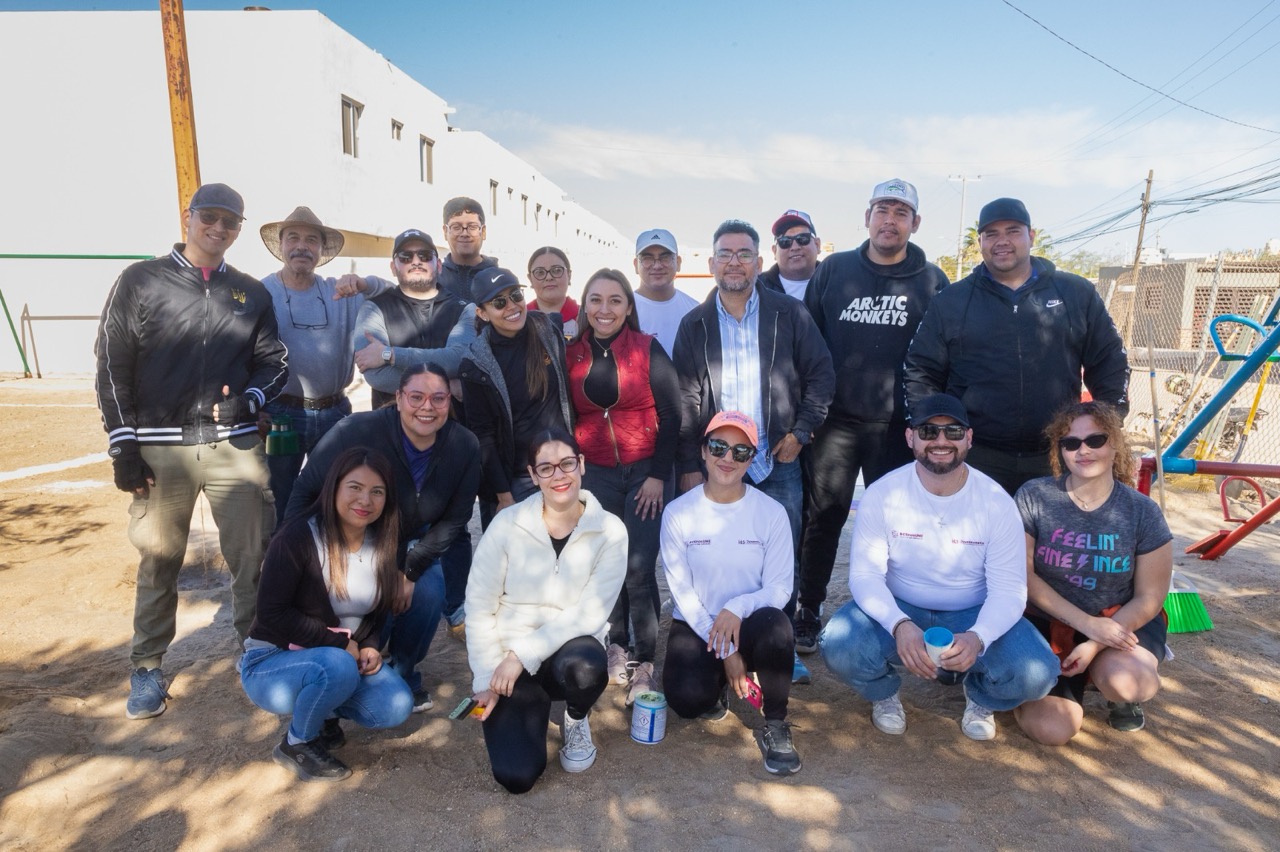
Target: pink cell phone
column 755, row 695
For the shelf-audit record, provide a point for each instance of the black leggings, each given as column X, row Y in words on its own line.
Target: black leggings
column 516, row 731
column 692, row 676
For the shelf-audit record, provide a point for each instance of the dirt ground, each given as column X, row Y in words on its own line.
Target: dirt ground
column 75, row 774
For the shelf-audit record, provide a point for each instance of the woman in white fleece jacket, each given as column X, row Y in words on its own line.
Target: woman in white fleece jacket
column 543, row 582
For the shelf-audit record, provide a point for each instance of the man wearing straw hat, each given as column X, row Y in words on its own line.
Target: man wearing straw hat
column 316, row 321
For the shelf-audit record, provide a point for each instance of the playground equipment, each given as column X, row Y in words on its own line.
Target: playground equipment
column 1208, row 420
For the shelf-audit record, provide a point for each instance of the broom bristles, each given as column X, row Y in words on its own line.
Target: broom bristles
column 1186, row 612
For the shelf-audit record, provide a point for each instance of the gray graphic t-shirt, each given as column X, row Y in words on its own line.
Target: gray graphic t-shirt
column 1089, row 557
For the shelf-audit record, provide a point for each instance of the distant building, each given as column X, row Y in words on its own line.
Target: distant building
column 290, row 109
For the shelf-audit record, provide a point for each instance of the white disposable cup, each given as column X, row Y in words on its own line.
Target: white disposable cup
column 937, row 641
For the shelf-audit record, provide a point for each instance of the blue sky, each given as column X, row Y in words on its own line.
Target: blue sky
column 683, row 114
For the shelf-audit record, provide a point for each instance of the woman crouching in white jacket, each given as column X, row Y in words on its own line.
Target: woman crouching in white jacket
column 543, row 582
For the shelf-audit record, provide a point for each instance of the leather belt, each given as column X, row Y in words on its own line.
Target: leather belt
column 310, row 404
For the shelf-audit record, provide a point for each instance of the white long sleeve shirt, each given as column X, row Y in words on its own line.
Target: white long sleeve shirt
column 736, row 556
column 941, row 553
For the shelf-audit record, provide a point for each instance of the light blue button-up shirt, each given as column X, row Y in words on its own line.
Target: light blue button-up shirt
column 740, row 375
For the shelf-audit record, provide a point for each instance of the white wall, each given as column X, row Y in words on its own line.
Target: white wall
column 87, row 167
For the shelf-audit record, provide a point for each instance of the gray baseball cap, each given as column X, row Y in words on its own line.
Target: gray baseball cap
column 896, row 189
column 656, row 237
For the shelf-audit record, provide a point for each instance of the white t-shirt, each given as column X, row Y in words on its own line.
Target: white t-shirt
column 736, row 556
column 662, row 319
column 795, row 289
column 939, row 553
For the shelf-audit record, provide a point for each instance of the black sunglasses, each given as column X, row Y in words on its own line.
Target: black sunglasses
column 308, row 325
column 515, row 296
column 801, row 239
column 741, row 452
column 1096, row 441
column 421, row 254
column 951, row 431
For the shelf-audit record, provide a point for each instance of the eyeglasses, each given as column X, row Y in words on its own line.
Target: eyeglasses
column 416, row 399
column 741, row 452
column 798, row 239
column 951, row 431
column 308, row 325
column 420, row 254
column 229, row 221
column 550, row 272
column 546, row 470
column 746, row 257
column 1096, row 441
column 458, row 229
column 515, row 296
column 664, row 259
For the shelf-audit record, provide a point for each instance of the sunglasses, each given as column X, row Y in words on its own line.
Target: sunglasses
column 951, row 431
column 515, row 297
column 1096, row 441
column 741, row 452
column 546, row 470
column 230, row 221
column 420, row 254
column 799, row 239
column 308, row 325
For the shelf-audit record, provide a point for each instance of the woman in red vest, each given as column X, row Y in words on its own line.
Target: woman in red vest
column 626, row 398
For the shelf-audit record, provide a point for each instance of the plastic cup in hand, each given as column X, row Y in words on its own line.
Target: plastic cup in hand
column 937, row 641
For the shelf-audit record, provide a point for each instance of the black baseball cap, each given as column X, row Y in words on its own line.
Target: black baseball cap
column 939, row 405
column 1003, row 210
column 490, row 282
column 413, row 234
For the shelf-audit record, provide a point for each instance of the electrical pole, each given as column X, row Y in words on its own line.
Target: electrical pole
column 964, row 181
column 1137, row 256
column 182, row 113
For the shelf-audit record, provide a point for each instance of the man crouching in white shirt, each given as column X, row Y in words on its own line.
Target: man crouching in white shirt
column 939, row 544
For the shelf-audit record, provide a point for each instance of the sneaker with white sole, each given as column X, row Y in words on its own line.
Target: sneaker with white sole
column 888, row 715
column 641, row 681
column 578, row 752
column 978, row 723
column 617, row 658
column 147, row 693
column 780, row 755
column 422, row 700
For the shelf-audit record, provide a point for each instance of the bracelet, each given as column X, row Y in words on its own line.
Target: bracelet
column 897, row 624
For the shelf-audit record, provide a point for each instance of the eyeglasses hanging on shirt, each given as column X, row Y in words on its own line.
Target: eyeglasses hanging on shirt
column 304, row 308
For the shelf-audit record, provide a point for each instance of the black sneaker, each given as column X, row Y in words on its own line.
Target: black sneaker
column 720, row 709
column 310, row 760
column 780, row 757
column 331, row 735
column 422, row 700
column 1125, row 716
column 807, row 626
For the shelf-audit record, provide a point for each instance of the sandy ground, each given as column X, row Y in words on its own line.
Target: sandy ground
column 75, row 774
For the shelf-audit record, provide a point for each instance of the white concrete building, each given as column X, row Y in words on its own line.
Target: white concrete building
column 290, row 109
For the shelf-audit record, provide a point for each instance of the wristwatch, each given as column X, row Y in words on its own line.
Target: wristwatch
column 386, row 355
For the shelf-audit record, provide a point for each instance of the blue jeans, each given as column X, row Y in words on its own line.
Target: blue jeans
column 1016, row 668
column 785, row 483
column 638, row 600
column 315, row 684
column 456, row 562
column 411, row 632
column 311, row 426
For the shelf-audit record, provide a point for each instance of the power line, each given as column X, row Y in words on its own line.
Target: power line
column 1134, row 80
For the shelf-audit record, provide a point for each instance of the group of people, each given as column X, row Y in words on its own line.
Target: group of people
column 725, row 436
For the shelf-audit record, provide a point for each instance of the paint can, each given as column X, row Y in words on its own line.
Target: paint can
column 649, row 718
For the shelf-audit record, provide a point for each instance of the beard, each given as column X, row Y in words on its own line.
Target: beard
column 941, row 468
column 418, row 281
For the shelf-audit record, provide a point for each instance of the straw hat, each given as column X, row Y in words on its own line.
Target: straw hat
column 333, row 239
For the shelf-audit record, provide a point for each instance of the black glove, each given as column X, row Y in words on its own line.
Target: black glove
column 132, row 473
column 237, row 409
column 416, row 563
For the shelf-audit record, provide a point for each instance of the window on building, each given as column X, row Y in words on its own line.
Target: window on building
column 537, row 217
column 396, row 127
column 524, row 209
column 351, row 126
column 556, row 224
column 426, row 158
column 493, row 198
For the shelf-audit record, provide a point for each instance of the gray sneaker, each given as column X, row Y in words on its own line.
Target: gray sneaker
column 780, row 756
column 147, row 693
column 617, row 659
column 578, row 751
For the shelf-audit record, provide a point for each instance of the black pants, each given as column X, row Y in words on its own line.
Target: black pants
column 516, row 731
column 838, row 452
column 1009, row 469
column 692, row 676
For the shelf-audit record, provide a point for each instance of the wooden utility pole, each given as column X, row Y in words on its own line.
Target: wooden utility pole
column 182, row 113
column 1137, row 257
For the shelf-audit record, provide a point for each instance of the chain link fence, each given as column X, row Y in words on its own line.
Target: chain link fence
column 1166, row 315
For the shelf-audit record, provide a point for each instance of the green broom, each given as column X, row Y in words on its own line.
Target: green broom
column 1184, row 608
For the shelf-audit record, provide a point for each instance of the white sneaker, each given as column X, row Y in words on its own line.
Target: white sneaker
column 617, row 659
column 641, row 681
column 578, row 752
column 978, row 722
column 888, row 716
